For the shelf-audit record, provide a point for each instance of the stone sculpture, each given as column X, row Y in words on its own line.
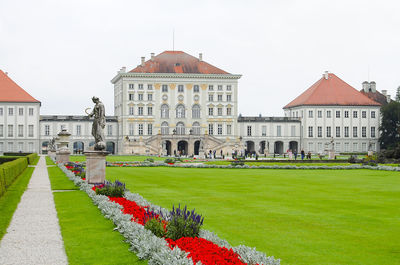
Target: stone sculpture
column 99, row 123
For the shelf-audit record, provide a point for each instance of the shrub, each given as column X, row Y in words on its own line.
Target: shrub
column 116, row 189
column 352, row 159
column 183, row 223
column 157, row 226
column 151, row 160
column 169, row 161
column 9, row 171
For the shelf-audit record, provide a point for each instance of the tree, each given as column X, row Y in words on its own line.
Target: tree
column 398, row 94
column 390, row 126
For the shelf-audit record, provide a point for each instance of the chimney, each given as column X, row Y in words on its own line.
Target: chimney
column 152, row 56
column 200, row 57
column 365, row 86
column 123, row 70
column 143, row 58
column 6, row 73
column 384, row 92
column 372, row 85
column 388, row 98
column 326, row 75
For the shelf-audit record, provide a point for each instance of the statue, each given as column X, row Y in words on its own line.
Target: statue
column 52, row 144
column 99, row 123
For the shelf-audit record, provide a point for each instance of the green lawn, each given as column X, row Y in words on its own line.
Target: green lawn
column 117, row 158
column 9, row 201
column 278, row 163
column 300, row 216
column 49, row 161
column 88, row 237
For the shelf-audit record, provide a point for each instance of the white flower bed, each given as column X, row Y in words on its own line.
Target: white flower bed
column 148, row 246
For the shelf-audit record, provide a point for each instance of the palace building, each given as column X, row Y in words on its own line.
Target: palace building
column 177, row 104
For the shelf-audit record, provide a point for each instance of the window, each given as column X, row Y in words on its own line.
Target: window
column 47, row 130
column 219, row 111
column 1, row 130
column 164, row 111
column 320, row 147
column 346, row 114
column 196, row 111
column 229, row 129
column 1, row 111
column 196, row 89
column 328, row 113
column 140, row 129
column 150, row 97
column 20, row 111
column 363, row 114
column 338, row 114
column 140, row 111
column 319, row 131
column 355, row 114
column 311, row 147
column 164, row 88
column 346, row 131
column 30, row 130
column 355, row 147
column 310, row 113
column 149, row 111
column 180, row 128
column 219, row 128
column 131, row 110
column 30, row 111
column 219, row 87
column 210, row 111
column 293, row 130
column 109, row 130
column 180, row 111
column 196, row 128
column 10, row 146
column 30, row 147
column 278, row 130
column 328, row 131
column 140, row 97
column 210, row 129
column 62, row 127
column 228, row 111
column 364, row 147
column 372, row 132
column 219, row 97
column 20, row 130
column 310, row 131
column 180, row 88
column 210, row 87
column 10, row 130
column 363, row 131
column 210, row 97
column 164, row 128
column 355, row 131
column 131, row 96
column 141, row 86
column 337, row 131
column 228, row 98
column 131, row 129
column 78, row 130
column 346, row 147
column 131, row 86
column 249, row 130
column 10, row 112
column 264, row 130
column 1, row 147
column 372, row 114
column 337, row 147
column 319, row 113
column 149, row 87
column 229, row 87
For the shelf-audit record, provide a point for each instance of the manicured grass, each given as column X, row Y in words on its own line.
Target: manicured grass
column 278, row 163
column 300, row 216
column 49, row 161
column 58, row 180
column 118, row 158
column 36, row 161
column 9, row 201
column 89, row 237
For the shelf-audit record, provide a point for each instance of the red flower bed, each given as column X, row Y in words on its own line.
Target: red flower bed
column 130, row 207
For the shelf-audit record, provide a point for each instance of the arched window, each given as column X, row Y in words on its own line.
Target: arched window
column 180, row 128
column 196, row 128
column 164, row 111
column 180, row 111
column 195, row 111
column 164, row 128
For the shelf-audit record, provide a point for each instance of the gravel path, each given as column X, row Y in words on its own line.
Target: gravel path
column 33, row 236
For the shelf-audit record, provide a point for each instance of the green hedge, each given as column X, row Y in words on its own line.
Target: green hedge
column 4, row 159
column 9, row 171
column 29, row 156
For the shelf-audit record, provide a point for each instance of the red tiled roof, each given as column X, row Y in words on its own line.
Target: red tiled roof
column 332, row 91
column 376, row 96
column 177, row 62
column 11, row 92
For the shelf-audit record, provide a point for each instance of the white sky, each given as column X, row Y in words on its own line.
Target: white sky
column 64, row 52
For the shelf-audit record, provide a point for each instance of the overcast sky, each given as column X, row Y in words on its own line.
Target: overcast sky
column 64, row 52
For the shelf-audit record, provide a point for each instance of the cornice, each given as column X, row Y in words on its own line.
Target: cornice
column 175, row 75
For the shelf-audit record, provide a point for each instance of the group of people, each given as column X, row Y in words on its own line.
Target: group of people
column 294, row 154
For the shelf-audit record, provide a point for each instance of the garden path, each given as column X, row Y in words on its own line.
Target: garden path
column 34, row 236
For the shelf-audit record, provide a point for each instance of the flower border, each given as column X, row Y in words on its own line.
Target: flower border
column 148, row 246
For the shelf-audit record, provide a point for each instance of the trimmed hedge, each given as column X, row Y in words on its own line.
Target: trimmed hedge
column 4, row 159
column 9, row 171
column 31, row 157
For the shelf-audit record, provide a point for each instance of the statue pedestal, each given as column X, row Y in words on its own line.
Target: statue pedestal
column 331, row 154
column 95, row 166
column 370, row 153
column 51, row 154
column 62, row 156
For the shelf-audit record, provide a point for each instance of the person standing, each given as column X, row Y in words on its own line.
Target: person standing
column 302, row 154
